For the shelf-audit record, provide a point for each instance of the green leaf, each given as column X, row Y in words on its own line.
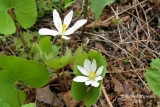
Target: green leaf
column 98, row 5
column 79, row 90
column 46, row 46
column 116, row 21
column 25, row 11
column 49, row 52
column 4, row 104
column 69, row 4
column 153, row 76
column 16, row 69
column 29, row 105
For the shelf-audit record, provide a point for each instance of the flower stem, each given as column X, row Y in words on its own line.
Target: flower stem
column 18, row 28
column 85, row 16
column 60, row 81
column 61, row 47
column 65, row 79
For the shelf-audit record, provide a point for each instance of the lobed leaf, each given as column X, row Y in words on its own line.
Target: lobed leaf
column 153, row 76
column 25, row 11
column 16, row 69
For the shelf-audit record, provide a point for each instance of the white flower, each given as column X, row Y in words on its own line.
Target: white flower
column 61, row 27
column 91, row 76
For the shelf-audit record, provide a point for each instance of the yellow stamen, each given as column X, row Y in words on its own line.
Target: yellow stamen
column 92, row 75
column 64, row 28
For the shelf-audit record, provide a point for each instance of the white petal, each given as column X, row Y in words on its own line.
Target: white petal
column 88, row 82
column 87, row 65
column 65, row 37
column 57, row 21
column 76, row 26
column 99, row 71
column 68, row 18
column 81, row 79
column 83, row 71
column 98, row 78
column 94, row 65
column 45, row 31
column 95, row 83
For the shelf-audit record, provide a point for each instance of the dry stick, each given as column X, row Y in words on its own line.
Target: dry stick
column 115, row 45
column 3, row 49
column 106, row 96
column 124, row 11
column 139, row 41
column 59, row 80
column 85, row 16
column 116, row 13
column 154, row 8
column 144, row 23
column 18, row 28
column 10, row 49
column 65, row 79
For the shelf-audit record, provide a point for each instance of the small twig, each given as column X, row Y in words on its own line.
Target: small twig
column 116, row 13
column 124, row 11
column 146, row 22
column 155, row 6
column 10, row 49
column 106, row 96
column 3, row 49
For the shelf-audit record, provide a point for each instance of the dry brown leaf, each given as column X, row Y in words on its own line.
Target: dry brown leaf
column 118, row 87
column 99, row 46
column 68, row 99
column 126, row 18
column 44, row 94
column 127, row 90
column 99, row 24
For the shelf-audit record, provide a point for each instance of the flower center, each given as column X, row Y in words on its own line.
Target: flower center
column 64, row 28
column 92, row 75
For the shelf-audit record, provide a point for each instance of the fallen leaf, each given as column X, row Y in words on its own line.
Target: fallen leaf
column 99, row 24
column 68, row 99
column 126, row 18
column 99, row 46
column 118, row 87
column 44, row 94
column 127, row 90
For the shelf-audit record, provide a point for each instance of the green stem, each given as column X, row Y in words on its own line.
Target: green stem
column 85, row 16
column 61, row 47
column 18, row 28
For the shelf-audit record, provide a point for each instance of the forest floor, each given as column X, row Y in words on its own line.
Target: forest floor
column 128, row 47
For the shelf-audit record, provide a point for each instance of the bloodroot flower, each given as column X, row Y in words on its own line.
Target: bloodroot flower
column 61, row 27
column 91, row 76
